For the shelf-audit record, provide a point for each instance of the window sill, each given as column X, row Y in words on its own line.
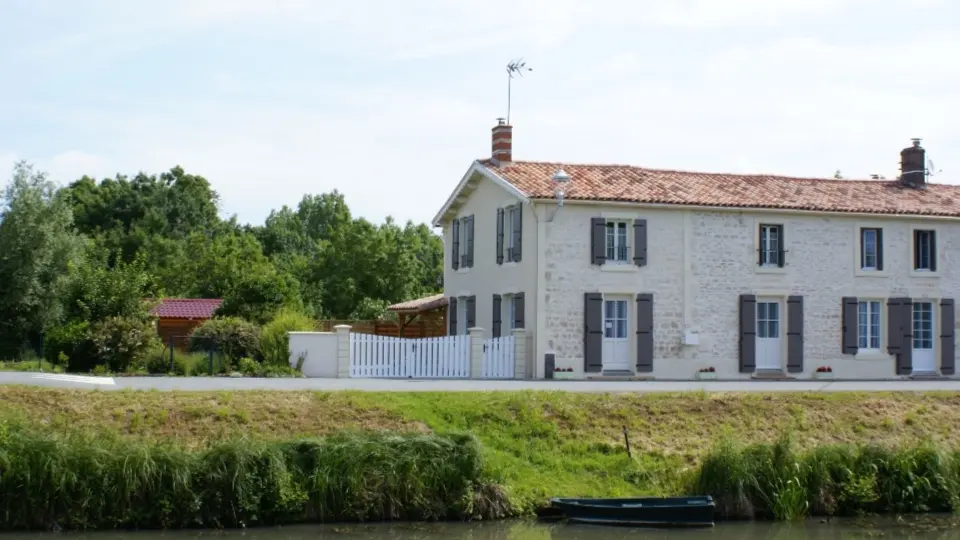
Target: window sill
column 924, row 274
column 463, row 270
column 872, row 355
column 770, row 269
column 860, row 272
column 619, row 267
column 509, row 264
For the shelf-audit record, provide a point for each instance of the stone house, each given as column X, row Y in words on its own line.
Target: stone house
column 627, row 271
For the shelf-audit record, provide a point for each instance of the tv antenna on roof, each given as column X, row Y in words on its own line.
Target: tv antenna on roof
column 514, row 67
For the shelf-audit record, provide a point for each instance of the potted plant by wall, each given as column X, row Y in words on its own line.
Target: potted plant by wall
column 823, row 372
column 707, row 374
column 563, row 373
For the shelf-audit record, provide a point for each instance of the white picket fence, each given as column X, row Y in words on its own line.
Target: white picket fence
column 422, row 358
column 498, row 358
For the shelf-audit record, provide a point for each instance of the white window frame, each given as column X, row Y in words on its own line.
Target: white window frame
column 765, row 245
column 462, row 246
column 620, row 245
column 864, row 254
column 511, row 312
column 867, row 305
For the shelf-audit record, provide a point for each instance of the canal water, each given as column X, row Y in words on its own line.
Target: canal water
column 915, row 528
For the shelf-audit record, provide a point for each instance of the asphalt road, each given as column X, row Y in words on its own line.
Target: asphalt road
column 406, row 385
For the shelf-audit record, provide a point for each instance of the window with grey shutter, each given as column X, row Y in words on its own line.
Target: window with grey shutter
column 499, row 235
column 925, row 250
column 593, row 332
column 455, row 252
column 517, row 233
column 519, row 310
column 644, row 333
column 850, row 309
column 871, row 249
column 771, row 250
column 948, row 343
column 748, row 333
column 598, row 238
column 497, row 316
column 468, row 256
column 471, row 312
column 452, row 316
column 795, row 334
column 900, row 333
column 640, row 242
column 894, row 326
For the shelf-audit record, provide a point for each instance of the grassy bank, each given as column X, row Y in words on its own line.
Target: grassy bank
column 80, row 482
column 537, row 444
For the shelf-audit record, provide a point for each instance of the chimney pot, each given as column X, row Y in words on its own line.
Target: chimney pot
column 502, row 141
column 913, row 162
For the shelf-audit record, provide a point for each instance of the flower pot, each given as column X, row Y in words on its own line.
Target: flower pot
column 707, row 375
column 564, row 375
column 822, row 374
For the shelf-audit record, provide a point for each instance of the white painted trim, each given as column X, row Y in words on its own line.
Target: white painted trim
column 741, row 209
column 873, row 353
column 938, row 248
column 625, row 266
column 857, row 270
column 477, row 168
column 785, row 234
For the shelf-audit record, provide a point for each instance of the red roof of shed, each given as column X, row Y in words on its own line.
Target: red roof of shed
column 187, row 308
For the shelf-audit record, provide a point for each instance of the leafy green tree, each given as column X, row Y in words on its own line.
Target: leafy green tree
column 38, row 244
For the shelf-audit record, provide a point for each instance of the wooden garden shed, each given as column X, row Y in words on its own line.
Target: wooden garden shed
column 423, row 317
column 177, row 318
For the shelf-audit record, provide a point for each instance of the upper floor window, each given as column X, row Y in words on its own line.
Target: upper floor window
column 925, row 250
column 771, row 245
column 871, row 249
column 509, row 234
column 617, row 241
column 461, row 253
column 512, row 223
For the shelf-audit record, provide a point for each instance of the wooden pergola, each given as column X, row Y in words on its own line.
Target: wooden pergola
column 423, row 317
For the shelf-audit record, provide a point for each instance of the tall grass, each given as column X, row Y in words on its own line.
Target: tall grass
column 84, row 482
column 775, row 481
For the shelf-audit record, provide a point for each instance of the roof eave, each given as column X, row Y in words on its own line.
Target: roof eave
column 476, row 168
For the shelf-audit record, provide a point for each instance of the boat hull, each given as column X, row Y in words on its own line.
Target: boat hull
column 638, row 512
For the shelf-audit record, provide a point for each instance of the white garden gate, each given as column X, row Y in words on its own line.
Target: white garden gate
column 422, row 358
column 498, row 358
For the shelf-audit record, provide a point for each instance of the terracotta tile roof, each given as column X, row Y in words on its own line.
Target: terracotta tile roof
column 635, row 184
column 187, row 308
column 420, row 304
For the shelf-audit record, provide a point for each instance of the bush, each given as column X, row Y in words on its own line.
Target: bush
column 123, row 342
column 274, row 341
column 235, row 338
column 73, row 341
column 53, row 481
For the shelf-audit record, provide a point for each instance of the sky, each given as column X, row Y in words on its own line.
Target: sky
column 389, row 102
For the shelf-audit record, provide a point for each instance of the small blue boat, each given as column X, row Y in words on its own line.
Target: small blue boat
column 634, row 512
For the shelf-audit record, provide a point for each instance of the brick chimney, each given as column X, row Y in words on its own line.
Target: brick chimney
column 913, row 171
column 503, row 141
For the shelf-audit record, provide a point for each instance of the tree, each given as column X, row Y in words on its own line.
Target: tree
column 38, row 245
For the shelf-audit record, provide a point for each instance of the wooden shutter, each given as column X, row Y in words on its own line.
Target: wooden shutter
column 471, row 312
column 795, row 334
column 593, row 332
column 905, row 355
column 517, row 233
column 748, row 333
column 933, row 251
column 781, row 247
column 519, row 310
column 640, row 242
column 598, row 240
column 455, row 254
column 452, row 316
column 879, row 249
column 497, row 304
column 894, row 331
column 469, row 223
column 948, row 344
column 849, row 318
column 499, row 235
column 644, row 333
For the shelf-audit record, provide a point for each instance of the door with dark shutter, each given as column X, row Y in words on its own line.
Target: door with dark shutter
column 894, row 331
column 598, row 240
column 471, row 312
column 902, row 313
column 640, row 242
column 499, row 235
column 748, row 333
column 519, row 311
column 795, row 334
column 455, row 243
column 469, row 255
column 517, row 233
column 850, row 330
column 948, row 343
column 644, row 333
column 497, row 303
column 593, row 332
column 452, row 316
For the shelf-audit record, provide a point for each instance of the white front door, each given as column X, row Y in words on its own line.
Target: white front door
column 768, row 334
column 924, row 360
column 616, row 344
